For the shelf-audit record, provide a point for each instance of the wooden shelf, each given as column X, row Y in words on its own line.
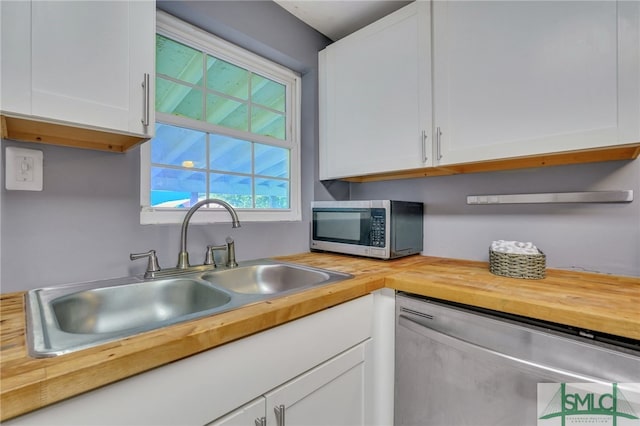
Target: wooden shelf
column 619, row 152
column 31, row 130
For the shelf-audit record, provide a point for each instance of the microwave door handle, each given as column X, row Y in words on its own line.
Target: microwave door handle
column 479, row 351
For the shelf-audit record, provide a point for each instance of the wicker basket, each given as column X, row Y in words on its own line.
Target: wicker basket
column 527, row 266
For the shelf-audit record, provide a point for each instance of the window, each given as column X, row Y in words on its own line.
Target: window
column 227, row 127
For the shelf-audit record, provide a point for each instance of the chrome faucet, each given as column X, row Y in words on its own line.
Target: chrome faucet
column 183, row 257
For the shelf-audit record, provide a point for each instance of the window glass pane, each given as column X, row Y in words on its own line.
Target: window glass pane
column 236, row 190
column 178, row 61
column 227, row 78
column 190, row 163
column 267, row 123
column 177, row 99
column 178, row 146
column 272, row 194
column 271, row 161
column 229, row 154
column 175, row 187
column 226, row 112
column 267, row 92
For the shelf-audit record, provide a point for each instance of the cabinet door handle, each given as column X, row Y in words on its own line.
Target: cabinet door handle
column 424, row 146
column 279, row 410
column 146, row 108
column 438, row 149
column 261, row 421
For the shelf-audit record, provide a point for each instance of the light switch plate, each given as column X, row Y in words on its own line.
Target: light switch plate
column 23, row 171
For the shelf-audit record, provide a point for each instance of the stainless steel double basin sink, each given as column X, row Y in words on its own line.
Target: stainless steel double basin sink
column 67, row 318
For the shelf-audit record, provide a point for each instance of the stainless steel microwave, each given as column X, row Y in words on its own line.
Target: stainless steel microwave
column 384, row 229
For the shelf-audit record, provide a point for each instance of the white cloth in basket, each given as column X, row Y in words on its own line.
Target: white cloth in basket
column 515, row 247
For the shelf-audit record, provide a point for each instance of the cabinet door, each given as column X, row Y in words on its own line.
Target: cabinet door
column 375, row 97
column 89, row 60
column 528, row 77
column 15, row 89
column 247, row 415
column 330, row 394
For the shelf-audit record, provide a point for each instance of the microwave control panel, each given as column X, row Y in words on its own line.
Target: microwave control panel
column 377, row 232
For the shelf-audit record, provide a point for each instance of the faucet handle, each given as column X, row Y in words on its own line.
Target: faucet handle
column 152, row 266
column 231, row 253
column 209, row 258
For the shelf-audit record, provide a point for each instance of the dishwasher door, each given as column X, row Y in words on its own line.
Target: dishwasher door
column 456, row 367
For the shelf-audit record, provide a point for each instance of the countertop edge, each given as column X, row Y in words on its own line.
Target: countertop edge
column 574, row 317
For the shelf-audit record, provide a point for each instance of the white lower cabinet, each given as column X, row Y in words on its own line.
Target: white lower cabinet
column 334, row 367
column 252, row 413
column 331, row 394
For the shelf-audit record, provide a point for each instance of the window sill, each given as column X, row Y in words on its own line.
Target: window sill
column 157, row 216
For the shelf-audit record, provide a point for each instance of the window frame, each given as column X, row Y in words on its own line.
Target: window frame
column 182, row 32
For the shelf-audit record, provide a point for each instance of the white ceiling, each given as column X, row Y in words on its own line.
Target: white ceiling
column 338, row 18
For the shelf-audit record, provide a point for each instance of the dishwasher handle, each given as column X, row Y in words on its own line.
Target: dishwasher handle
column 481, row 351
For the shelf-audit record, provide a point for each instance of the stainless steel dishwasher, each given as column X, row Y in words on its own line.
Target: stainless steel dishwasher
column 457, row 366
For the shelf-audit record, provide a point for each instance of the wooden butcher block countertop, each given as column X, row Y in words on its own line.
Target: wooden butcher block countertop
column 598, row 302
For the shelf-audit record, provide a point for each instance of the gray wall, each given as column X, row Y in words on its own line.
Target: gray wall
column 588, row 237
column 86, row 221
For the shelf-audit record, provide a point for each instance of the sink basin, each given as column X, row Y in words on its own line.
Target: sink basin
column 118, row 308
column 267, row 278
column 71, row 317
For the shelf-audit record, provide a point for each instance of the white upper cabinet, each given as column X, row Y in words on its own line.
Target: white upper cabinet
column 375, row 97
column 80, row 63
column 523, row 78
column 496, row 84
column 15, row 60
